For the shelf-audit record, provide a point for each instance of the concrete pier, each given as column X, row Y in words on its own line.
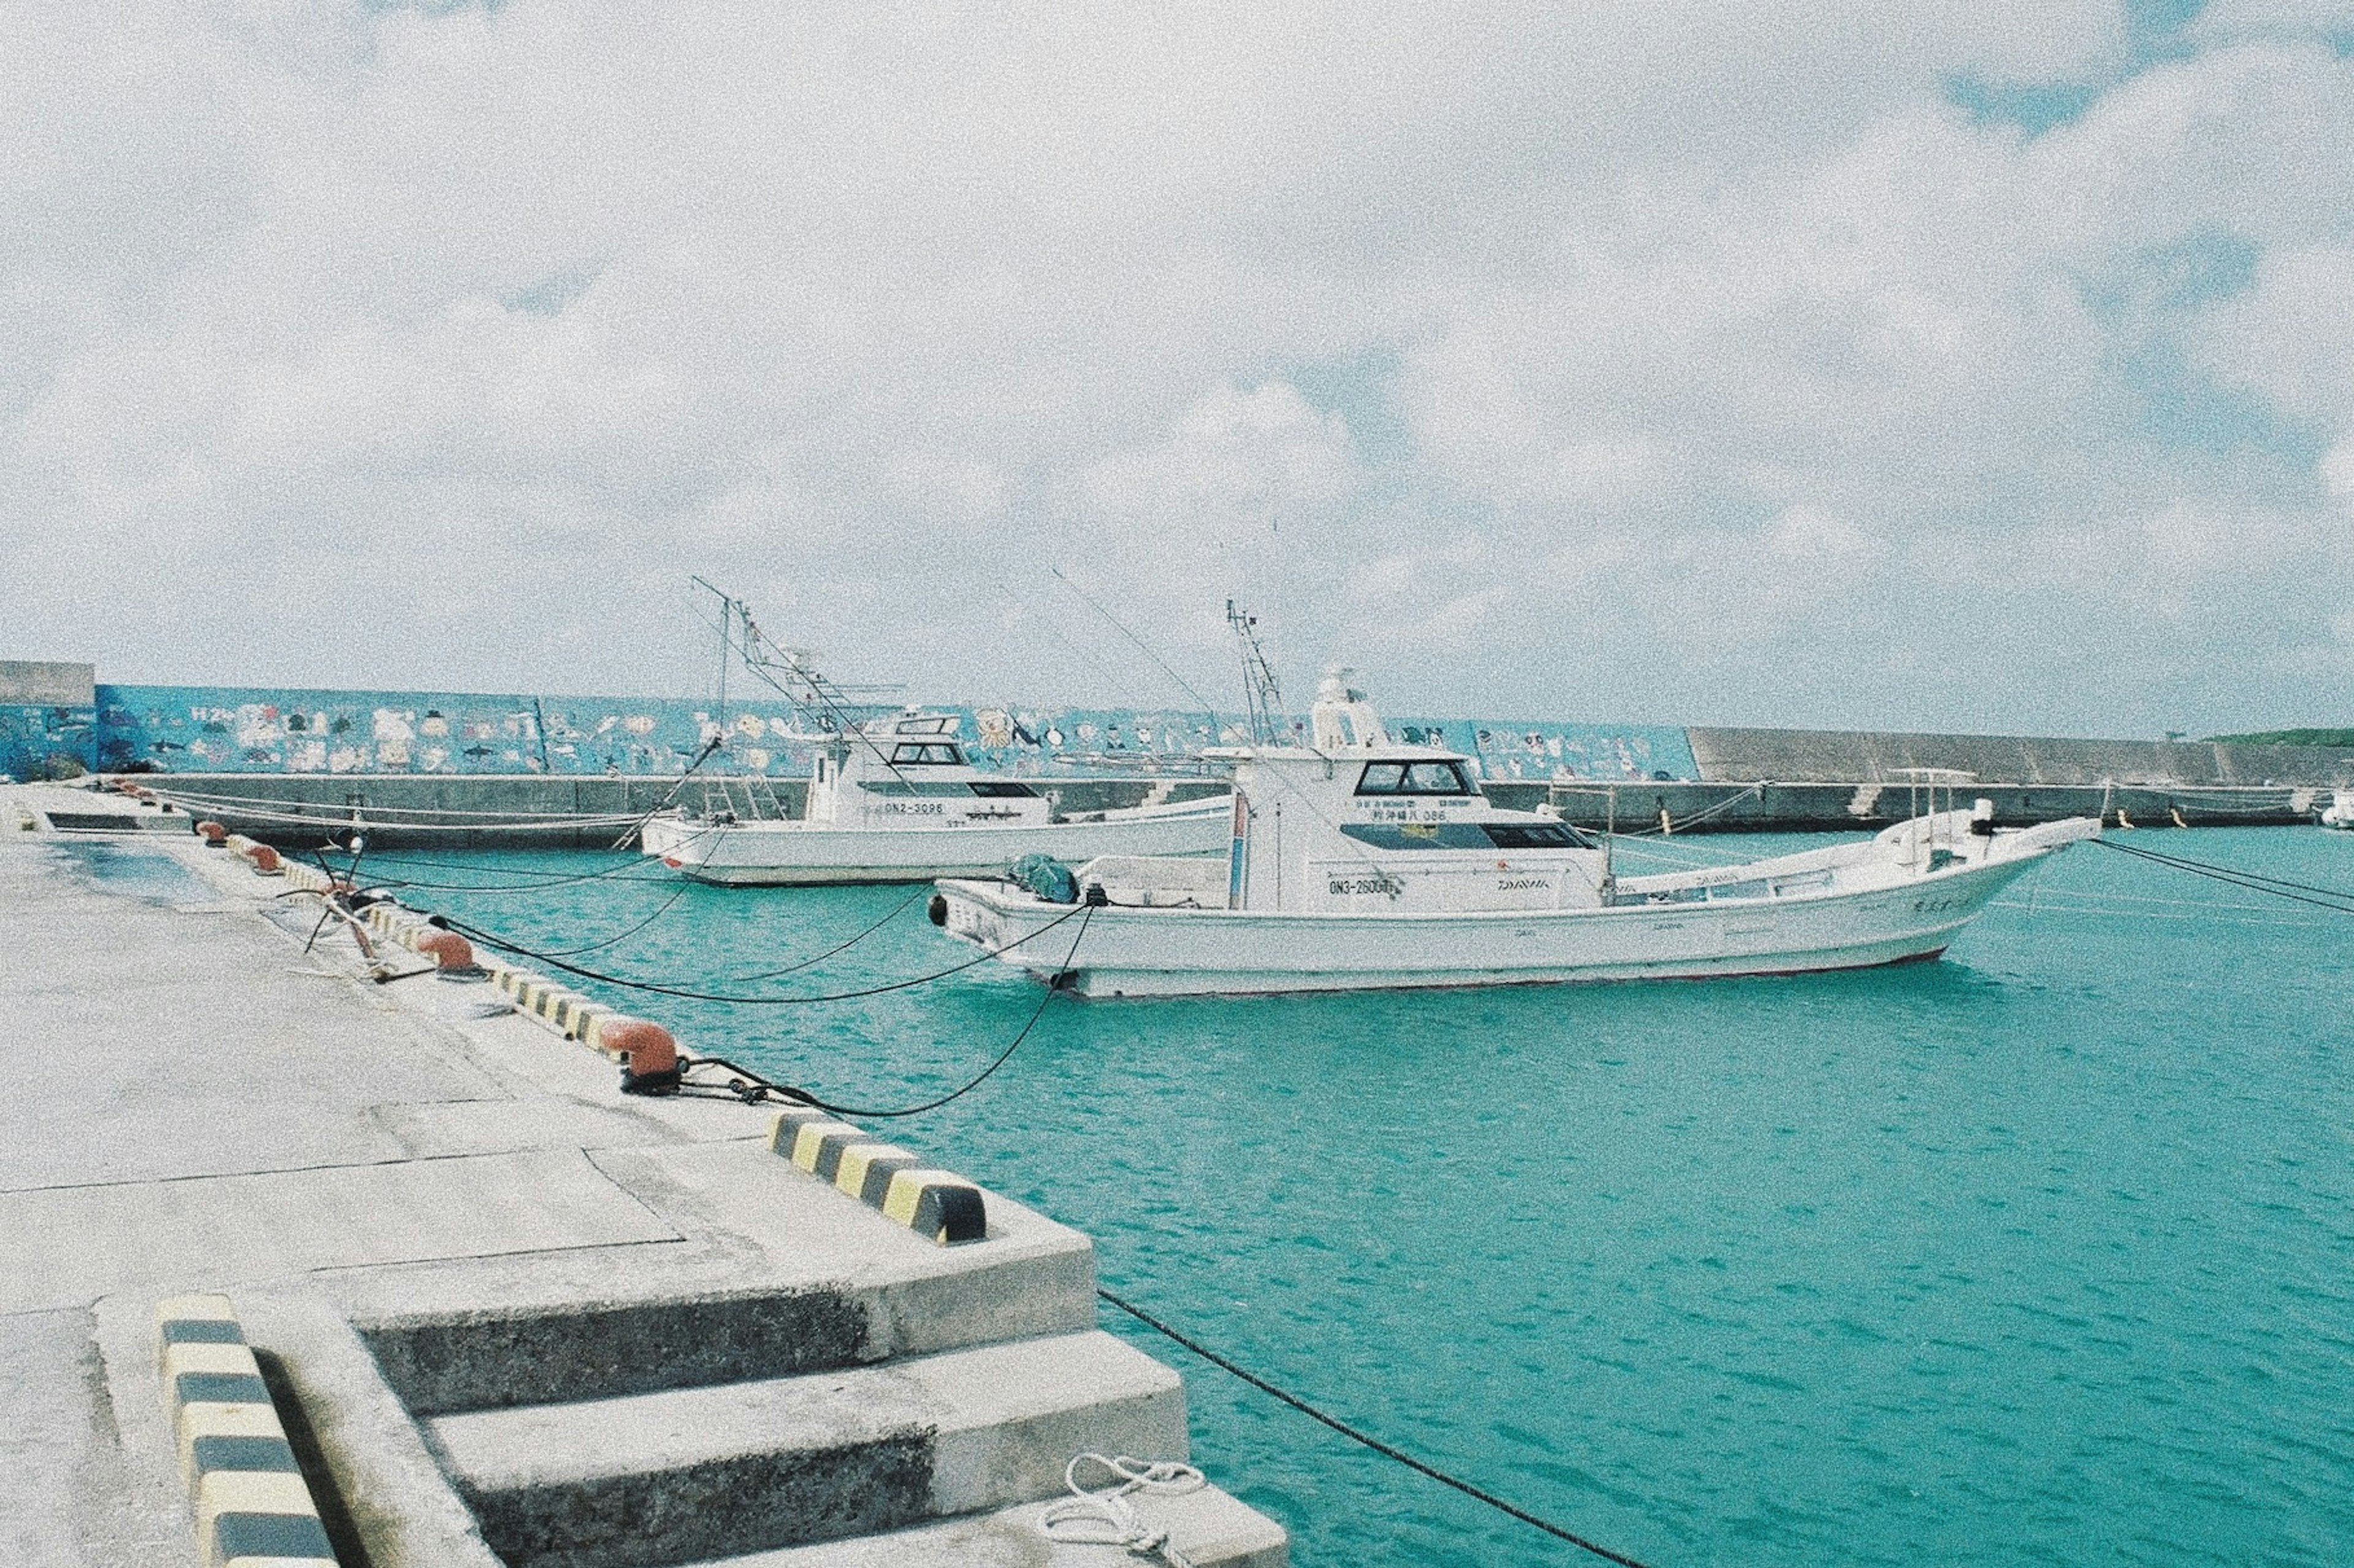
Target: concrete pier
column 506, row 1315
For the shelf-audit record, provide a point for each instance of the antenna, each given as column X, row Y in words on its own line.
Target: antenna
column 792, row 672
column 1261, row 694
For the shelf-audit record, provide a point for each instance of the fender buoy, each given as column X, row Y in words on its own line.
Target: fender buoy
column 265, row 860
column 215, row 835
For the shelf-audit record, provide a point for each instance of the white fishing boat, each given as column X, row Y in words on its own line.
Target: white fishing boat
column 1358, row 863
column 2340, row 812
column 891, row 797
column 896, row 800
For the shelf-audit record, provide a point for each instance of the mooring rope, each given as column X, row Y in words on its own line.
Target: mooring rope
column 492, row 939
column 2335, row 899
column 343, row 811
column 1367, row 1439
column 752, row 1087
column 892, row 914
column 615, row 873
column 664, row 908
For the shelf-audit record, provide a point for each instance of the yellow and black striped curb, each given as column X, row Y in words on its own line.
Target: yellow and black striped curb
column 299, row 876
column 566, row 1011
column 938, row 1205
column 402, row 925
column 253, row 1508
column 390, row 921
column 309, row 878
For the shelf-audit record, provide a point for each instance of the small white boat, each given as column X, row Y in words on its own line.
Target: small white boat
column 2340, row 812
column 1357, row 863
column 895, row 800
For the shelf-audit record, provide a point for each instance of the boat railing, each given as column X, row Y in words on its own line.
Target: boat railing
column 758, row 800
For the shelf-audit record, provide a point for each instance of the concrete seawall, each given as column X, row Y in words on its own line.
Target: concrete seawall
column 298, row 811
column 1750, row 780
column 1842, row 807
column 1825, row 755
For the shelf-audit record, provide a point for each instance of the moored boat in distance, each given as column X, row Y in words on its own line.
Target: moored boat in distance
column 1357, row 863
column 895, row 800
column 2340, row 812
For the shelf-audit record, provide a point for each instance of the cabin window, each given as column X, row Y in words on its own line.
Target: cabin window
column 1002, row 789
column 1413, row 779
column 924, row 755
column 1535, row 836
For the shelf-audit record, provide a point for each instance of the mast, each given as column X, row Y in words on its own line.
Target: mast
column 1261, row 696
column 791, row 672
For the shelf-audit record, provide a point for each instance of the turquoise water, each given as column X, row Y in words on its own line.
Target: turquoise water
column 2042, row 1253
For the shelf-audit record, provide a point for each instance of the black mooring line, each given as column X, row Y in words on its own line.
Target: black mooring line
column 1367, row 1438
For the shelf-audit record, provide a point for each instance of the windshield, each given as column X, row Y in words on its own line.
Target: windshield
column 929, row 755
column 1413, row 779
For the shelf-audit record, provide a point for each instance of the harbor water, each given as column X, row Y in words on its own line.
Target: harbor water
column 2039, row 1254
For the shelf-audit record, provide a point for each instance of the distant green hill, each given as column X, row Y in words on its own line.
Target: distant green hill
column 2292, row 738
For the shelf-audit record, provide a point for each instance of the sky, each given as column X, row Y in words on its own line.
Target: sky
column 1869, row 364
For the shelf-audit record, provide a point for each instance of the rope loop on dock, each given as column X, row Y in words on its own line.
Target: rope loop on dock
column 1107, row 1518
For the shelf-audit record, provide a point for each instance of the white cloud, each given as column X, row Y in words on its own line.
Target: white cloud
column 2337, row 471
column 2223, row 21
column 1234, row 457
column 1705, row 346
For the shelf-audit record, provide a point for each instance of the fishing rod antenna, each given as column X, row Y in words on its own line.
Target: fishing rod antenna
column 1261, row 695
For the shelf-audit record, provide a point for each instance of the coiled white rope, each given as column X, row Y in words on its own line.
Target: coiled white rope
column 1107, row 1518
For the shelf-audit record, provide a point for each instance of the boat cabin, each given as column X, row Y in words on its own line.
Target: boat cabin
column 908, row 770
column 1356, row 822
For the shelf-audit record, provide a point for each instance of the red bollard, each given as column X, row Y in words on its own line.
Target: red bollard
column 649, row 1055
column 449, row 950
column 215, row 835
column 265, row 860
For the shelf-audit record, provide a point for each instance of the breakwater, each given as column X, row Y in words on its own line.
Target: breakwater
column 1832, row 755
column 1773, row 807
column 299, row 812
column 465, row 770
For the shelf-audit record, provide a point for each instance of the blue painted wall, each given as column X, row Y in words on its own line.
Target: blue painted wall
column 32, row 738
column 211, row 729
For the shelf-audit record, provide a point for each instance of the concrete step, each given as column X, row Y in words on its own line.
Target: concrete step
column 1213, row 1529
column 776, row 1274
column 685, row 1475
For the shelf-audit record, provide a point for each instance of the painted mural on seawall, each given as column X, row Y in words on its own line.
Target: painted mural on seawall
column 38, row 741
column 240, row 729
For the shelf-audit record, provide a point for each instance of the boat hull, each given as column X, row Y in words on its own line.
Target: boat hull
column 799, row 854
column 1172, row 953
